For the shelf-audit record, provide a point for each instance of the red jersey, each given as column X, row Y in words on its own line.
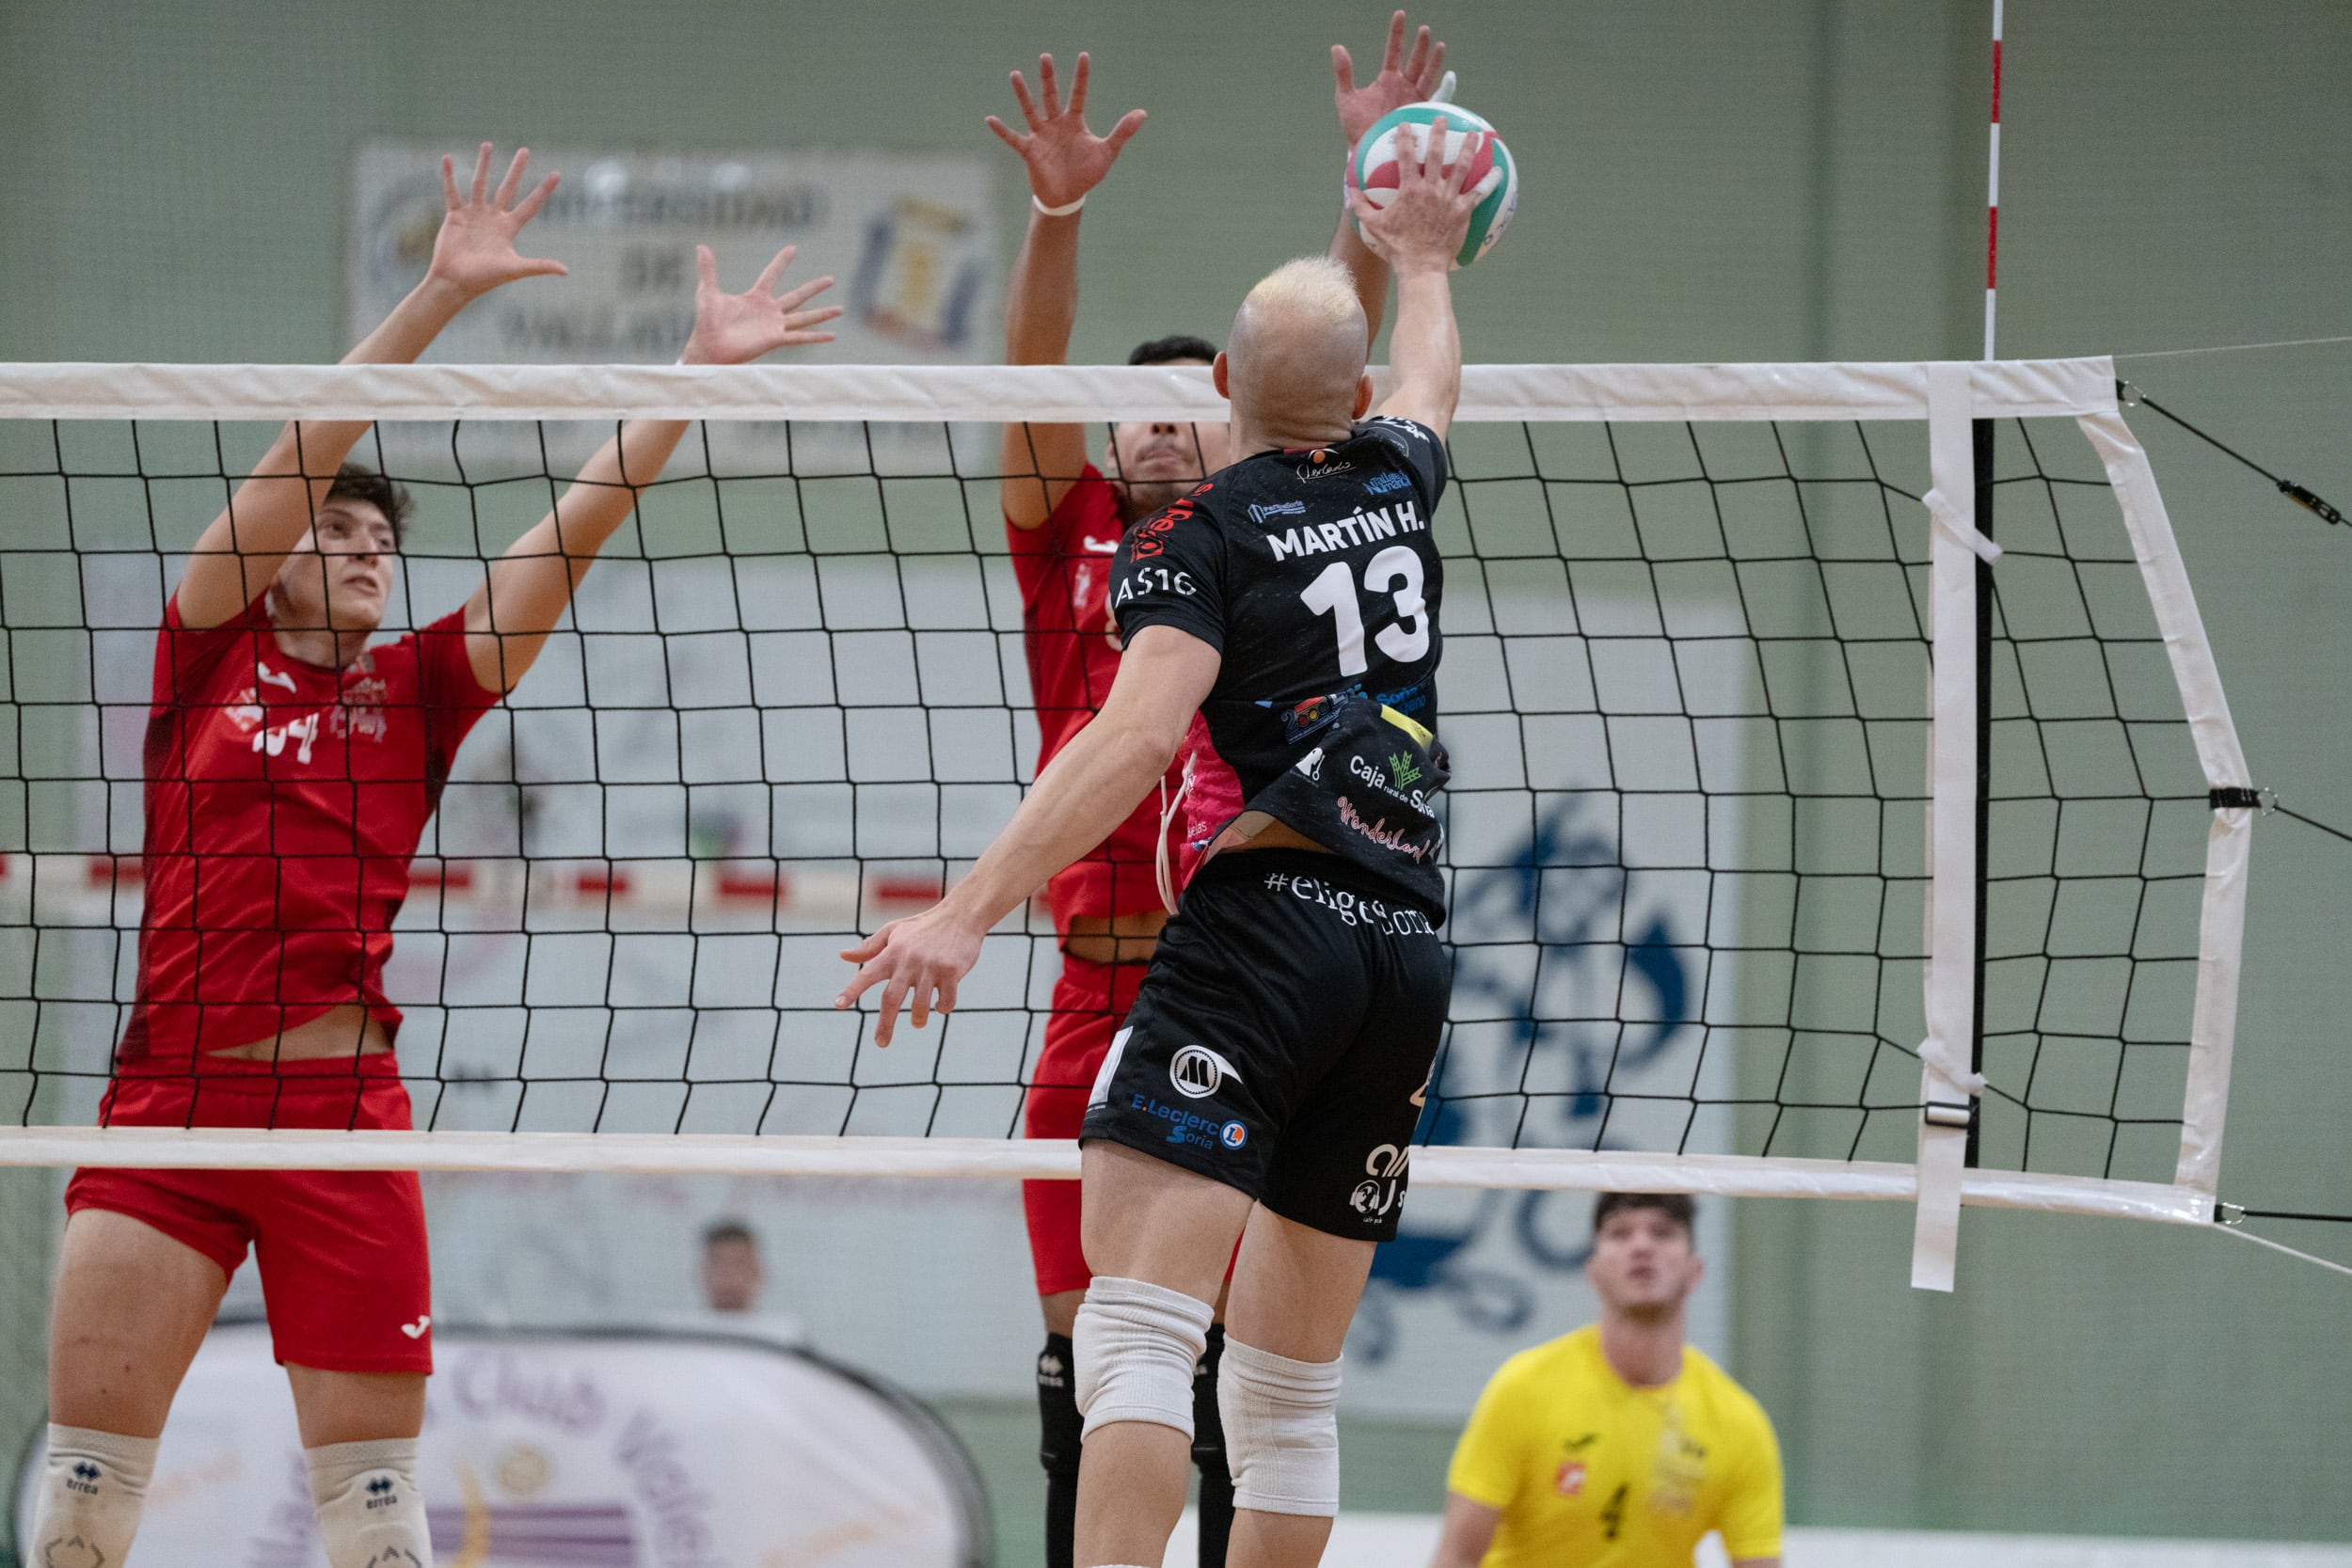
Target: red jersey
column 284, row 803
column 1063, row 566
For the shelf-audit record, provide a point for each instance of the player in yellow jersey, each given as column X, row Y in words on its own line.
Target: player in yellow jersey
column 1617, row 1446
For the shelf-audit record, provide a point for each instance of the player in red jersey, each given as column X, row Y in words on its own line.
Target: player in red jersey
column 290, row 769
column 1064, row 517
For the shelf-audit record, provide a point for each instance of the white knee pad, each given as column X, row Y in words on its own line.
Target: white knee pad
column 371, row 1514
column 1137, row 1345
column 1281, row 1431
column 92, row 1489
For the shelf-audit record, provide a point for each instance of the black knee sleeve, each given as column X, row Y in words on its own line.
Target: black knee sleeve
column 1060, row 1429
column 1208, row 1454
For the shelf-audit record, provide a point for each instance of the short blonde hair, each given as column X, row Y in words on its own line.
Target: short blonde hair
column 1314, row 287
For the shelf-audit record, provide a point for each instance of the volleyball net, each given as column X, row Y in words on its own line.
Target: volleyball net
column 1845, row 801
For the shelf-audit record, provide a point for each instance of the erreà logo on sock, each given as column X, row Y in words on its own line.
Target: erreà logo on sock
column 83, row 1478
column 380, row 1490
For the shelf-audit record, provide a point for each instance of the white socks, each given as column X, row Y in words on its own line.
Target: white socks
column 94, row 1485
column 371, row 1515
column 92, row 1490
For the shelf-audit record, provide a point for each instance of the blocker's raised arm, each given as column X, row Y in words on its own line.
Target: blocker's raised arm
column 1065, row 161
column 1401, row 80
column 240, row 552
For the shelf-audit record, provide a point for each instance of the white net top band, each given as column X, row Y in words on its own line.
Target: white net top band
column 2008, row 388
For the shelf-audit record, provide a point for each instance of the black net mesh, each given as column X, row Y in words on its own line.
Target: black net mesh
column 1685, row 689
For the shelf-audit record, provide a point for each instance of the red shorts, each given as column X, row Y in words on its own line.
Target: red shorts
column 345, row 1269
column 1090, row 1001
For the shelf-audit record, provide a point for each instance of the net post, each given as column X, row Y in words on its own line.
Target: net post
column 1980, row 434
column 1948, row 1085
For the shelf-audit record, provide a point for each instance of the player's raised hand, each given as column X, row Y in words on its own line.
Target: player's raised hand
column 474, row 252
column 736, row 329
column 1421, row 228
column 1066, row 160
column 916, row 961
column 1401, row 80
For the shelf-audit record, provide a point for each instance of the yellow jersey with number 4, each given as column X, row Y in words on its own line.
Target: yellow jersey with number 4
column 1591, row 1472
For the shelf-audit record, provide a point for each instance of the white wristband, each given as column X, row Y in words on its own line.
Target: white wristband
column 1061, row 212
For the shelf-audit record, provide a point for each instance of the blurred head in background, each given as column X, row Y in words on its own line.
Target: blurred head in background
column 1644, row 1261
column 732, row 1277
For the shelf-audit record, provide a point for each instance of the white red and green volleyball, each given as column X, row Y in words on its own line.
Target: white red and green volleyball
column 1495, row 174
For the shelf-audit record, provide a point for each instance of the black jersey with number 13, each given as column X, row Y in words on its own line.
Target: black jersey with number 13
column 1315, row 575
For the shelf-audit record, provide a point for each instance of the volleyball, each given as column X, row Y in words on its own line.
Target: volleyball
column 1496, row 173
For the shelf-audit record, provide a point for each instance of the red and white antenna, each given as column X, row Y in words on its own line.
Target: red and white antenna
column 1993, row 187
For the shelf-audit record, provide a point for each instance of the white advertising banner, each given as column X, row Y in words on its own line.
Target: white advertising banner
column 553, row 1451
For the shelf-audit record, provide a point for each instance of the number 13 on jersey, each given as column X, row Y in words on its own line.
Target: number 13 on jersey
column 1395, row 571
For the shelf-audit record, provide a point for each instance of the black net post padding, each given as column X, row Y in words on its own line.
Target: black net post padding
column 2230, row 797
column 1980, row 459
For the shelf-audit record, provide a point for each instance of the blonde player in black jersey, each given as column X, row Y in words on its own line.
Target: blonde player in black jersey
column 1267, row 1082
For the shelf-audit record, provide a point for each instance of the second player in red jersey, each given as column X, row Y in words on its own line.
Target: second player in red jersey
column 1064, row 518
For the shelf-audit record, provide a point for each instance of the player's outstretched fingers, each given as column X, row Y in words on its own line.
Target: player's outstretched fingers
column 865, row 953
column 481, row 171
column 765, row 282
column 1463, row 179
column 1129, row 123
column 1004, row 133
column 1049, row 86
column 449, row 183
column 934, row 991
column 1425, row 77
column 1028, row 102
column 894, row 996
column 1436, row 167
column 536, row 200
column 1078, row 86
column 793, row 298
column 514, row 180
